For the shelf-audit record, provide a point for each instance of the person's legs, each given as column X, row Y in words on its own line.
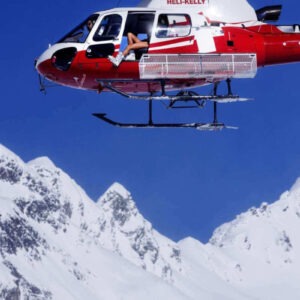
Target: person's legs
column 132, row 38
column 135, row 46
column 133, row 43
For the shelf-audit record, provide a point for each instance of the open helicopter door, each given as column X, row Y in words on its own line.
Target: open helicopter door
column 140, row 24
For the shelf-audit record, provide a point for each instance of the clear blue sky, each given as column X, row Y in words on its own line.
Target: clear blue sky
column 185, row 182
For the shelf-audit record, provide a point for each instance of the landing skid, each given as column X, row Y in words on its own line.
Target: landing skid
column 198, row 126
column 187, row 97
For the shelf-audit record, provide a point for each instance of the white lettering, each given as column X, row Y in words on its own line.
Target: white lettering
column 186, row 2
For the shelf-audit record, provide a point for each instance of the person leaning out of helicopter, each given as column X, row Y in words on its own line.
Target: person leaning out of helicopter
column 134, row 43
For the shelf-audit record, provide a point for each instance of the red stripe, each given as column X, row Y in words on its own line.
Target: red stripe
column 193, row 48
column 173, row 41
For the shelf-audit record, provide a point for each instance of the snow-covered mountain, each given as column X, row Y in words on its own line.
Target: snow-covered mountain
column 265, row 243
column 125, row 231
column 56, row 243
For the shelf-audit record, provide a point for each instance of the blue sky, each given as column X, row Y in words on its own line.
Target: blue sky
column 185, row 182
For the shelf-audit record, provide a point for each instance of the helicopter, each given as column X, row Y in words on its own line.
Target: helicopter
column 186, row 44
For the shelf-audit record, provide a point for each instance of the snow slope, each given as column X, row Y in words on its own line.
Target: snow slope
column 50, row 241
column 265, row 244
column 56, row 243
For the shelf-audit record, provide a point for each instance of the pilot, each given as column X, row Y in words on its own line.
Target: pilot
column 134, row 43
column 90, row 24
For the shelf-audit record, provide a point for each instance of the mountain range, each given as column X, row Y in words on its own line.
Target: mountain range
column 57, row 243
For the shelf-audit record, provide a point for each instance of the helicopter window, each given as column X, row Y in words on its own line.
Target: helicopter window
column 173, row 25
column 80, row 33
column 63, row 58
column 109, row 28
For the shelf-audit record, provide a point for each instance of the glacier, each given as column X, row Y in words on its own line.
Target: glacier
column 57, row 243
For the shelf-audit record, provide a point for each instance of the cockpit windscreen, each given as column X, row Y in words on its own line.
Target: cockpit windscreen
column 80, row 33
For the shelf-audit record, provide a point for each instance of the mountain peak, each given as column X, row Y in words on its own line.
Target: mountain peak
column 118, row 203
column 43, row 161
column 118, row 189
column 131, row 235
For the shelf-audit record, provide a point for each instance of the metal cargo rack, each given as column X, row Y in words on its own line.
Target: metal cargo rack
column 215, row 66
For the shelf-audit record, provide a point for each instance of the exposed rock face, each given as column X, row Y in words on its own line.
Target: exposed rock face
column 132, row 235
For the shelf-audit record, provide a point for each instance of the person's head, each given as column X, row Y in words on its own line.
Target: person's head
column 90, row 23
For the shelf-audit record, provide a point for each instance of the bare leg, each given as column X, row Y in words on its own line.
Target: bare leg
column 134, row 47
column 133, row 43
column 132, row 39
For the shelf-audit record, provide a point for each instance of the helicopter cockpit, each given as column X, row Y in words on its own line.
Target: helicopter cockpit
column 109, row 27
column 80, row 33
column 100, row 34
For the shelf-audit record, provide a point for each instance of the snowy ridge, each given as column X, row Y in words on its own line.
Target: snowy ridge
column 265, row 244
column 133, row 237
column 56, row 243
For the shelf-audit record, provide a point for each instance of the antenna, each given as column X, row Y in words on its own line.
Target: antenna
column 118, row 3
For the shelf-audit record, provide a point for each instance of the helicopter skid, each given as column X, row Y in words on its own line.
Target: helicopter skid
column 199, row 126
column 175, row 101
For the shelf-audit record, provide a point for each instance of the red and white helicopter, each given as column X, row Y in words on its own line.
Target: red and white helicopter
column 189, row 44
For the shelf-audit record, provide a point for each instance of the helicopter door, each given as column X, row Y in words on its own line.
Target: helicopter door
column 106, row 38
column 140, row 24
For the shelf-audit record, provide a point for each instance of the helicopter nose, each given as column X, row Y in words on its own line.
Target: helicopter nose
column 37, row 62
column 41, row 62
column 56, row 58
